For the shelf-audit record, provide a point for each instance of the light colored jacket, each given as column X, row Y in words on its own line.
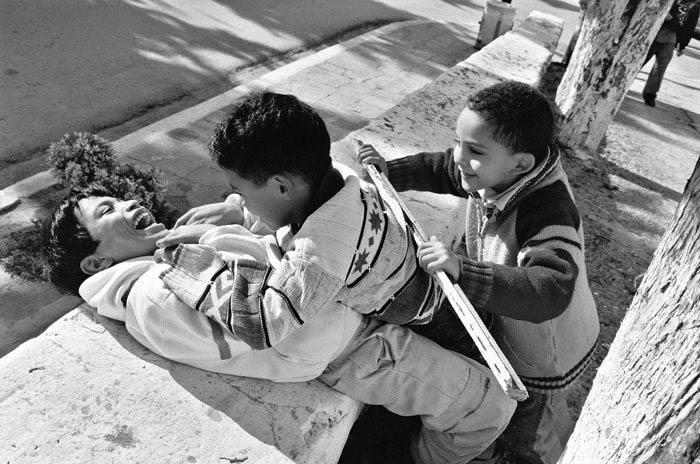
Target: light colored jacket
column 351, row 250
column 132, row 292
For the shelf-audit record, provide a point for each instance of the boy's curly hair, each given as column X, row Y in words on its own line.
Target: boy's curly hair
column 67, row 241
column 269, row 133
column 519, row 115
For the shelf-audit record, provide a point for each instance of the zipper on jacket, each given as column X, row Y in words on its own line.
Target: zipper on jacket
column 487, row 216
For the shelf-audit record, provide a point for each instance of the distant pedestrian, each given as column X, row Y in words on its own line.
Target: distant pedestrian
column 677, row 29
column 686, row 32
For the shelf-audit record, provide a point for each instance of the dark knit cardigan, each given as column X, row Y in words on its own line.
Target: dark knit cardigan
column 524, row 264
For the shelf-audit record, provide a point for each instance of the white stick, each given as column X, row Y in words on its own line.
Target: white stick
column 494, row 357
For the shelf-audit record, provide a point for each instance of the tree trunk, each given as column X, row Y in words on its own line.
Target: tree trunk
column 644, row 406
column 611, row 47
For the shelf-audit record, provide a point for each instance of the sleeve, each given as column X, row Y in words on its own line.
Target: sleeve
column 259, row 304
column 542, row 284
column 430, row 172
column 174, row 331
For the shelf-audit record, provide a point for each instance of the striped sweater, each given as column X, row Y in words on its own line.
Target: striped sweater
column 524, row 264
column 351, row 249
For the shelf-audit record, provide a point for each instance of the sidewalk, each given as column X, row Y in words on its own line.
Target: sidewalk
column 350, row 84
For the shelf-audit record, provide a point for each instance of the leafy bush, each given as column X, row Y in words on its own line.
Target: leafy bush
column 21, row 253
column 84, row 159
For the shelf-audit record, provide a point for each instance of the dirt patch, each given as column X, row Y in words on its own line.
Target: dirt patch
column 624, row 218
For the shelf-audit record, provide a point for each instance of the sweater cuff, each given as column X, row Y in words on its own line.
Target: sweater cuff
column 191, row 271
column 401, row 173
column 476, row 280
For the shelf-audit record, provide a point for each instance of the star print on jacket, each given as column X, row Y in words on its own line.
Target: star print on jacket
column 371, row 237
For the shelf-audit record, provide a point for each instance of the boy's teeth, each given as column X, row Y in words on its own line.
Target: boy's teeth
column 143, row 221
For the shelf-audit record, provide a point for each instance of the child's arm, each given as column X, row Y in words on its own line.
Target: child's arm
column 550, row 253
column 190, row 233
column 219, row 214
column 431, row 172
column 258, row 303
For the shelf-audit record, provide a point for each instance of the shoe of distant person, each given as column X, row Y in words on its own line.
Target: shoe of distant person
column 649, row 100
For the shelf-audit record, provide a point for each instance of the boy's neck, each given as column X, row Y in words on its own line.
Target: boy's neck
column 330, row 184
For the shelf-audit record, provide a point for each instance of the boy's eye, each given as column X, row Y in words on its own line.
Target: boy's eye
column 457, row 141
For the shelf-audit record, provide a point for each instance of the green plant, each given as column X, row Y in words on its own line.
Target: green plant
column 82, row 159
column 21, row 252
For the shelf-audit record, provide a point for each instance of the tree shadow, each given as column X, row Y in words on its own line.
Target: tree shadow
column 85, row 78
column 559, row 4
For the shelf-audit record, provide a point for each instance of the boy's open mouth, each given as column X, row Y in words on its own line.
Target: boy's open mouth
column 143, row 220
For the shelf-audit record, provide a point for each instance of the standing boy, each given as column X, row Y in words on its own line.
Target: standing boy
column 524, row 258
column 340, row 244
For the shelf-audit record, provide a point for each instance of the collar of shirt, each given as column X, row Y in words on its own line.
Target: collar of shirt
column 331, row 184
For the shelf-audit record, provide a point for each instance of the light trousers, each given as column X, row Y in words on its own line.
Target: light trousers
column 461, row 406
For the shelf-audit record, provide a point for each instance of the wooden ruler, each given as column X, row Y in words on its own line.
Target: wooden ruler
column 494, row 357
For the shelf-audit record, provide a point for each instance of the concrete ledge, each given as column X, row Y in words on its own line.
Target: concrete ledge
column 84, row 390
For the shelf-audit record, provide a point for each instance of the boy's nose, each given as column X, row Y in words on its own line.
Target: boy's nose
column 129, row 205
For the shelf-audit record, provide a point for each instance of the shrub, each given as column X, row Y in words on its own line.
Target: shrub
column 83, row 159
column 21, row 253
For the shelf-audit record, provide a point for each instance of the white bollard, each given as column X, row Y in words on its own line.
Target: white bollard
column 496, row 21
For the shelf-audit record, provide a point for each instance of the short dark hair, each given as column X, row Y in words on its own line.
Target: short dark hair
column 67, row 241
column 269, row 133
column 519, row 115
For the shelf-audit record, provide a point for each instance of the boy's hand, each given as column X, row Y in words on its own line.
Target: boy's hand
column 435, row 256
column 367, row 154
column 220, row 214
column 184, row 234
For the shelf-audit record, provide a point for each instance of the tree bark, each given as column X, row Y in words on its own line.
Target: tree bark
column 613, row 41
column 644, row 406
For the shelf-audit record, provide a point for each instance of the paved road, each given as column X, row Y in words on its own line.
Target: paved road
column 112, row 67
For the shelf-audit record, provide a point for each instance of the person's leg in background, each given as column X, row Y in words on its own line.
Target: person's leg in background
column 663, row 53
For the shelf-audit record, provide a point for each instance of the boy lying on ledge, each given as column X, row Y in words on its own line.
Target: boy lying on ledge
column 104, row 246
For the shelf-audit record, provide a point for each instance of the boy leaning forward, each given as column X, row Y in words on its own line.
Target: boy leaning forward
column 339, row 244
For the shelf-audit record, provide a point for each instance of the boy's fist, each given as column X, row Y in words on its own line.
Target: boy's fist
column 435, row 256
column 219, row 214
column 366, row 154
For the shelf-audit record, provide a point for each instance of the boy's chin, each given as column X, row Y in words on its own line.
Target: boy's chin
column 156, row 228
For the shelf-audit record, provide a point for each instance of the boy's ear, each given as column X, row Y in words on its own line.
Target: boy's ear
column 525, row 163
column 282, row 185
column 93, row 264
